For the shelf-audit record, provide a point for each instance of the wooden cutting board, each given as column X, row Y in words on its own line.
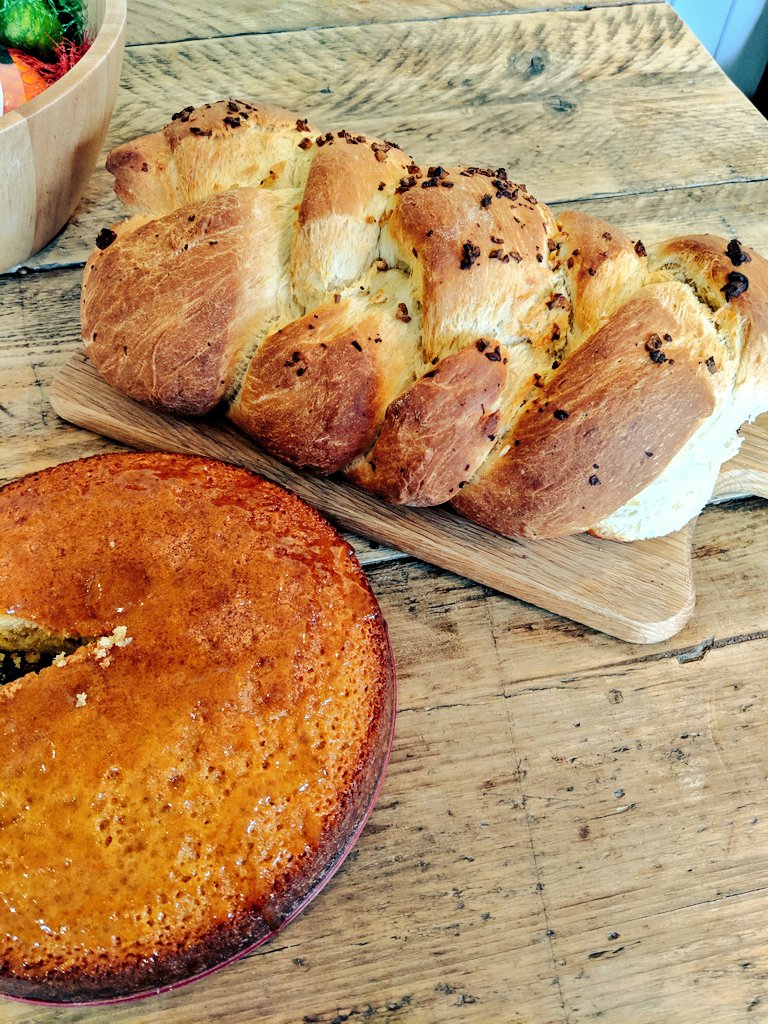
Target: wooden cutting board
column 640, row 592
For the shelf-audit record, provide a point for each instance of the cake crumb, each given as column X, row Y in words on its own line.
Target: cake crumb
column 60, row 660
column 118, row 638
column 80, row 699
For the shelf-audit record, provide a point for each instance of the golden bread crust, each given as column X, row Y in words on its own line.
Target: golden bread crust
column 438, row 432
column 348, row 189
column 315, row 390
column 172, row 334
column 605, row 424
column 206, row 150
column 484, row 238
column 190, row 261
column 168, row 802
column 604, row 269
column 732, row 279
column 433, row 261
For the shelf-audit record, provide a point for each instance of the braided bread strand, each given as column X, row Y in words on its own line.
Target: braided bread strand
column 436, row 335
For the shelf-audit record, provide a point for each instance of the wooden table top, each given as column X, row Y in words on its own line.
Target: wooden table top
column 572, row 827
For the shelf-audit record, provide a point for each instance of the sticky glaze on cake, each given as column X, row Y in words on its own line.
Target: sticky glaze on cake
column 177, row 784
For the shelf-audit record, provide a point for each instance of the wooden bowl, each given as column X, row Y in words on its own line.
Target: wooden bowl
column 49, row 146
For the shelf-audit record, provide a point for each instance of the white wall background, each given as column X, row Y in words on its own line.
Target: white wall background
column 735, row 32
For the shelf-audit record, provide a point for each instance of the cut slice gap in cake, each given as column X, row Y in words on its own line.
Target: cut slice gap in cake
column 26, row 648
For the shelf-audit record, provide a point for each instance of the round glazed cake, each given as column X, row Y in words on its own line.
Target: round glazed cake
column 196, row 712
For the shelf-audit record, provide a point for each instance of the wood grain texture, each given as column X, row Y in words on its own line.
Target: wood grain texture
column 198, row 20
column 745, row 475
column 573, row 827
column 33, row 438
column 39, row 327
column 640, row 592
column 547, row 847
column 580, row 103
column 18, row 200
column 576, row 105
column 729, row 210
column 539, row 648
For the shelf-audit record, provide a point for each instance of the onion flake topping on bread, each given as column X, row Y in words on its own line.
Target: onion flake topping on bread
column 340, row 303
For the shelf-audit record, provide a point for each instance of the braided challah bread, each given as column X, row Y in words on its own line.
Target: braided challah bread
column 436, row 335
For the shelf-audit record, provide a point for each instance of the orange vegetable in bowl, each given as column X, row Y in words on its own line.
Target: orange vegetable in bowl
column 19, row 81
column 50, row 145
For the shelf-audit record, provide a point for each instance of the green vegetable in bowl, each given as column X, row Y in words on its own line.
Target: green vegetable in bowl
column 32, row 26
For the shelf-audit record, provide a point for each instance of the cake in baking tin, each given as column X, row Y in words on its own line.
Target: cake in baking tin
column 196, row 711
